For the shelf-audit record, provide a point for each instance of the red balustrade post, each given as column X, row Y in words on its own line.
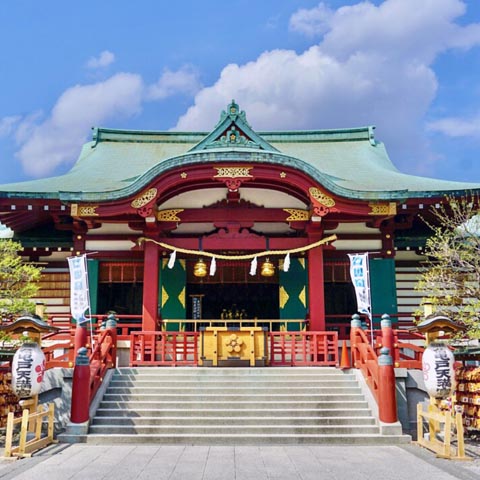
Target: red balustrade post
column 387, row 333
column 111, row 325
column 79, row 412
column 80, row 339
column 355, row 325
column 387, row 400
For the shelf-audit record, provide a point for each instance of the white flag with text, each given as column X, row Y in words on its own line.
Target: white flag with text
column 79, row 298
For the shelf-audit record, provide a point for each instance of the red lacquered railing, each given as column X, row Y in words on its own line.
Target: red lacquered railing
column 58, row 349
column 364, row 358
column 164, row 348
column 102, row 358
column 303, row 348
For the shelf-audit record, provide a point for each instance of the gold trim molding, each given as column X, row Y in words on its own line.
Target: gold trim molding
column 145, row 198
column 321, row 197
column 297, row 215
column 389, row 208
column 169, row 215
column 233, row 172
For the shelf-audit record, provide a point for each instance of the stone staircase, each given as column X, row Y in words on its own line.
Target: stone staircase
column 235, row 406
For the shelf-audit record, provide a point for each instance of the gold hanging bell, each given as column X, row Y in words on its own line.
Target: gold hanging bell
column 268, row 269
column 200, row 269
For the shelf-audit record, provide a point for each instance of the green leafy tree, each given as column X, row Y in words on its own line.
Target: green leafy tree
column 18, row 281
column 450, row 280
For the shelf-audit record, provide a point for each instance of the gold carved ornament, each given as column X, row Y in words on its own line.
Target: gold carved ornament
column 169, row 215
column 321, row 197
column 234, row 344
column 83, row 210
column 232, row 172
column 297, row 215
column 144, row 199
column 389, row 208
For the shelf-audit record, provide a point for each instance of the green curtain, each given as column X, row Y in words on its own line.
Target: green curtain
column 171, row 295
column 293, row 291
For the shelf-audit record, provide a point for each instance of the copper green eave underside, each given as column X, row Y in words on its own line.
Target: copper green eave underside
column 349, row 163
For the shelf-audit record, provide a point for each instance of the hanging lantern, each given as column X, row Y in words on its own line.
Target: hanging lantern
column 438, row 371
column 28, row 368
column 268, row 269
column 200, row 269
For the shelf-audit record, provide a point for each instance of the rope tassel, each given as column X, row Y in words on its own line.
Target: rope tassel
column 286, row 262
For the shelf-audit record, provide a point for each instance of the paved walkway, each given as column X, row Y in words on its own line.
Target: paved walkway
column 125, row 462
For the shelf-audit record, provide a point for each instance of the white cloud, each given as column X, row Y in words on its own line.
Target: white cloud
column 58, row 139
column 105, row 59
column 457, row 127
column 185, row 80
column 313, row 22
column 8, row 124
column 373, row 66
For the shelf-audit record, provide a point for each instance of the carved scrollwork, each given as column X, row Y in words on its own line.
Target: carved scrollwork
column 233, row 172
column 297, row 215
column 321, row 197
column 389, row 208
column 169, row 215
column 83, row 210
column 144, row 199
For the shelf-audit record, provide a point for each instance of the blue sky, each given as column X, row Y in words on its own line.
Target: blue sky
column 410, row 67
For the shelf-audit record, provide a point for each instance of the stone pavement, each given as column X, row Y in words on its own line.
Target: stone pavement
column 183, row 462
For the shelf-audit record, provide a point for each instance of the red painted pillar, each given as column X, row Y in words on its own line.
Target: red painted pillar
column 150, row 286
column 387, row 400
column 316, row 292
column 79, row 412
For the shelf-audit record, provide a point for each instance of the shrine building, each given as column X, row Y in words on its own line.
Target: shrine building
column 153, row 210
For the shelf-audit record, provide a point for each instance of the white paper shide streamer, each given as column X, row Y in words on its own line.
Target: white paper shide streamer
column 213, row 267
column 253, row 267
column 171, row 261
column 286, row 262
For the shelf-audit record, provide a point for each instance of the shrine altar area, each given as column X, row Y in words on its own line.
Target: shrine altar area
column 233, row 347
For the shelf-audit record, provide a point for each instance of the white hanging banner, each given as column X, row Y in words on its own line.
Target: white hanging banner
column 360, row 278
column 79, row 298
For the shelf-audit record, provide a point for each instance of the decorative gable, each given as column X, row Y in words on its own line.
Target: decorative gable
column 233, row 130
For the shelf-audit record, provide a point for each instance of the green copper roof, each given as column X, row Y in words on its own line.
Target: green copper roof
column 348, row 162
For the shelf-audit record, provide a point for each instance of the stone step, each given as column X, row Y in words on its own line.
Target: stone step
column 273, row 405
column 208, row 413
column 265, row 429
column 232, row 387
column 234, row 397
column 246, row 439
column 198, row 372
column 230, row 420
column 236, row 406
column 227, row 382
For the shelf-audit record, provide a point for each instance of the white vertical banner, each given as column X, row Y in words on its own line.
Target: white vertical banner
column 79, row 297
column 359, row 274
